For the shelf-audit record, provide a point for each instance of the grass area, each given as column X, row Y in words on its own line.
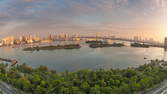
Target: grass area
column 51, row 47
column 106, row 45
column 140, row 45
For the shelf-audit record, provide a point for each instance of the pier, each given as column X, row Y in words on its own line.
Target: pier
column 12, row 61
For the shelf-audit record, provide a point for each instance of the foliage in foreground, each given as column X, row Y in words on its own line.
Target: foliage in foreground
column 113, row 81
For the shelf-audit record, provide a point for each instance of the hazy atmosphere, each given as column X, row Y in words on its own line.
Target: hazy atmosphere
column 83, row 46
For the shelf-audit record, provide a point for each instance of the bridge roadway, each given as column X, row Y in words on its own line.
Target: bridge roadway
column 159, row 89
column 12, row 61
column 7, row 60
column 8, row 89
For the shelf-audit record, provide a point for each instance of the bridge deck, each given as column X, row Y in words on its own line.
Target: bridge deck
column 7, row 60
column 13, row 62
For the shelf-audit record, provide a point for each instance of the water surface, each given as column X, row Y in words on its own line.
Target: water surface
column 85, row 58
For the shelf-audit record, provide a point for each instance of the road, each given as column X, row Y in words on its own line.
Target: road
column 7, row 89
column 160, row 89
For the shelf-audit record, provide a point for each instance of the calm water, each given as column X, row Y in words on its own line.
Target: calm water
column 85, row 58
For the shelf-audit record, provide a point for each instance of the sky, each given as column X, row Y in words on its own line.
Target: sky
column 123, row 18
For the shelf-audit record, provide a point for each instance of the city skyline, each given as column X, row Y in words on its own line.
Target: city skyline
column 31, row 39
column 125, row 18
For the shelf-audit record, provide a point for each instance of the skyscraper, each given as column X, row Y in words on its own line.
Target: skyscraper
column 165, row 43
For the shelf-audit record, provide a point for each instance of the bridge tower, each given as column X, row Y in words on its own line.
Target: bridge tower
column 165, row 42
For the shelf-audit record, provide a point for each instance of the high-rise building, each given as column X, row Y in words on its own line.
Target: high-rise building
column 1, row 43
column 165, row 43
column 50, row 37
column 136, row 38
column 151, row 40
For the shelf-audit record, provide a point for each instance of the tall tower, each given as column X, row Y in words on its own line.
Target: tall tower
column 165, row 43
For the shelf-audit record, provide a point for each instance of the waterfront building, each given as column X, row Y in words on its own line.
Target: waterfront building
column 1, row 44
column 17, row 41
column 29, row 41
column 8, row 40
column 46, row 41
column 76, row 39
column 23, row 39
column 36, row 39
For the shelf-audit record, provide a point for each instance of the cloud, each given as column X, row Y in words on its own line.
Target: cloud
column 79, row 15
column 161, row 3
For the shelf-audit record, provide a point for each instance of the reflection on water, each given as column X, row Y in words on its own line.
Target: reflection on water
column 86, row 58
